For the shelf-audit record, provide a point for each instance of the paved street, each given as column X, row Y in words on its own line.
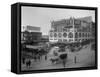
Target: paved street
column 85, row 57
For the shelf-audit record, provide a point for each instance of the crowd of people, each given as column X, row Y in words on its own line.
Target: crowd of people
column 37, row 55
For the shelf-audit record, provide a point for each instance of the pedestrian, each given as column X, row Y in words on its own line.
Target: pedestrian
column 64, row 63
column 45, row 57
column 23, row 60
column 28, row 63
column 75, row 60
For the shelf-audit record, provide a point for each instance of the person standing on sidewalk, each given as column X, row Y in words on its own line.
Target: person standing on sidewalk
column 45, row 57
column 75, row 59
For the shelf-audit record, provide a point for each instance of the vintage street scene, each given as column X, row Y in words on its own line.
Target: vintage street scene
column 54, row 38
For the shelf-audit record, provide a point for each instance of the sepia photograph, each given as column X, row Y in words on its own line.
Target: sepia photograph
column 55, row 38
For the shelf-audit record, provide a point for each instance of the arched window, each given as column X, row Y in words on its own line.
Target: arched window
column 64, row 34
column 79, row 34
column 82, row 34
column 70, row 35
column 60, row 35
column 76, row 35
column 51, row 34
column 55, row 34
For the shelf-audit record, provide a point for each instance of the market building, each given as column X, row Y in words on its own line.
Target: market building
column 71, row 30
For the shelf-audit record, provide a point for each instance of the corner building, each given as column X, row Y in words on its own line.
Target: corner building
column 71, row 30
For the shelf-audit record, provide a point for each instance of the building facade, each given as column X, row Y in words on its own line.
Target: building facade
column 45, row 38
column 31, row 34
column 71, row 30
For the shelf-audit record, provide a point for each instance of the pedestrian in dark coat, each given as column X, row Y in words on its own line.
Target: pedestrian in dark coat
column 45, row 57
column 23, row 60
column 28, row 63
column 63, row 57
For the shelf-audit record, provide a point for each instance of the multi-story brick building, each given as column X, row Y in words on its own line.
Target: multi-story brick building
column 71, row 30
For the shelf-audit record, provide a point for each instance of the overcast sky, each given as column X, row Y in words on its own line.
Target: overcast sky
column 41, row 17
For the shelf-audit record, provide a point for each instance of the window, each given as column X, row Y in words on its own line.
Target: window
column 55, row 34
column 89, row 35
column 59, row 35
column 77, row 23
column 76, row 35
column 65, row 40
column 51, row 39
column 51, row 34
column 68, row 22
column 75, row 39
column 55, row 29
column 64, row 34
column 59, row 29
column 79, row 39
column 79, row 34
column 86, row 35
column 82, row 34
column 59, row 40
column 70, row 35
column 64, row 29
column 70, row 40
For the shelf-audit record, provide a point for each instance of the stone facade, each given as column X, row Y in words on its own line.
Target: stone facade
column 71, row 30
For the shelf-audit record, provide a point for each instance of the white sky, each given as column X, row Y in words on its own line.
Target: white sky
column 41, row 17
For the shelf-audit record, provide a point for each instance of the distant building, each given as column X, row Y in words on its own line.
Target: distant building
column 31, row 28
column 31, row 34
column 45, row 38
column 71, row 30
